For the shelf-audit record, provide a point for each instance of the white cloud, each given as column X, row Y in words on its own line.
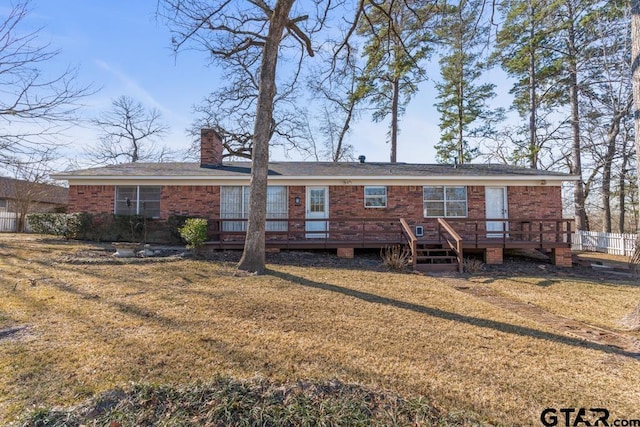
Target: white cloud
column 133, row 87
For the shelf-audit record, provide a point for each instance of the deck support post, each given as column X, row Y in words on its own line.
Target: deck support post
column 345, row 252
column 561, row 257
column 493, row 256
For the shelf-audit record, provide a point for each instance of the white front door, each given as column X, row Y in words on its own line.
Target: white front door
column 496, row 208
column 317, row 208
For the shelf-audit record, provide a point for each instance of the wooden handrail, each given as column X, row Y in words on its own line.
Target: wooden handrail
column 413, row 241
column 527, row 229
column 457, row 248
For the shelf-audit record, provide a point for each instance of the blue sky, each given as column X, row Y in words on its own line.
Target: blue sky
column 122, row 49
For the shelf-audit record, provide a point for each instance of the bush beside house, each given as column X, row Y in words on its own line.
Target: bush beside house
column 109, row 227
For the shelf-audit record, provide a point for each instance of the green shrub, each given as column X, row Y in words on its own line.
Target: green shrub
column 69, row 226
column 194, row 232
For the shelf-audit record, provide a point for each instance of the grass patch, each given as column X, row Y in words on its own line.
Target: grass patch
column 595, row 302
column 87, row 328
column 259, row 402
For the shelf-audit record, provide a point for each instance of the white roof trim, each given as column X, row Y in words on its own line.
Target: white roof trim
column 535, row 180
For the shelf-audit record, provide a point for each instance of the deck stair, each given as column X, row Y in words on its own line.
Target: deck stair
column 435, row 258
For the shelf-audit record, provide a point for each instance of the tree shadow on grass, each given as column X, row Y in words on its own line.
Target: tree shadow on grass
column 126, row 308
column 456, row 317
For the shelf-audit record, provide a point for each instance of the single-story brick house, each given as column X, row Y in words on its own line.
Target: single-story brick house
column 342, row 205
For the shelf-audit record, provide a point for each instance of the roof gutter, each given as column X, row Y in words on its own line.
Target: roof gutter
column 333, row 180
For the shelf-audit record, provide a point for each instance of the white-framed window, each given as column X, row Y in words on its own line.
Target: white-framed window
column 445, row 201
column 234, row 204
column 3, row 205
column 375, row 196
column 141, row 200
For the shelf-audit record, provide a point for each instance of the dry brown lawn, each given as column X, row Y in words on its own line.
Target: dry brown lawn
column 73, row 325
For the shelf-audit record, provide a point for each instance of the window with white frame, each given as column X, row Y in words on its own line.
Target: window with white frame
column 375, row 197
column 234, row 204
column 3, row 205
column 445, row 201
column 141, row 200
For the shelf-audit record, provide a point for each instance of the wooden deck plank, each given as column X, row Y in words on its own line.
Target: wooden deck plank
column 377, row 244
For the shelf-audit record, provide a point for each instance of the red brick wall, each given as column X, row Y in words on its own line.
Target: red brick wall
column 475, row 202
column 348, row 201
column 297, row 210
column 535, row 202
column 344, row 201
column 192, row 200
column 91, row 198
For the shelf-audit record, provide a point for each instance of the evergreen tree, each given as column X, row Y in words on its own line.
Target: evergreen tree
column 462, row 100
column 397, row 41
column 525, row 52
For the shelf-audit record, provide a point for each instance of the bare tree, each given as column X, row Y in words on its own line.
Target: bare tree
column 226, row 111
column 247, row 38
column 129, row 134
column 625, row 177
column 30, row 185
column 335, row 88
column 635, row 73
column 606, row 103
column 34, row 106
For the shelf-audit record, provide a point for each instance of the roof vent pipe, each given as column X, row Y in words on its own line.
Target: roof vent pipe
column 455, row 163
column 362, row 158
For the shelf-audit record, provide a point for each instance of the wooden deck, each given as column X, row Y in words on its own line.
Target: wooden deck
column 456, row 234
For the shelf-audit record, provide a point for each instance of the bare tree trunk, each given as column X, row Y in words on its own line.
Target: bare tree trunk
column 253, row 257
column 612, row 136
column 21, row 221
column 635, row 72
column 576, row 155
column 533, row 103
column 337, row 154
column 622, row 188
column 394, row 119
column 461, row 95
column 576, row 169
column 606, row 189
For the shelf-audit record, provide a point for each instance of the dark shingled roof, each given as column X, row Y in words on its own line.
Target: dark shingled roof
column 315, row 169
column 44, row 193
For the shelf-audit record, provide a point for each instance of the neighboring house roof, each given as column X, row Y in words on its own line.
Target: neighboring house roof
column 44, row 193
column 288, row 171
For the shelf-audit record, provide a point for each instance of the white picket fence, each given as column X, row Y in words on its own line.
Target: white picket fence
column 610, row 243
column 8, row 222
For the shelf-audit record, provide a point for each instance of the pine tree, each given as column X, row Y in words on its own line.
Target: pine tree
column 524, row 51
column 397, row 41
column 462, row 100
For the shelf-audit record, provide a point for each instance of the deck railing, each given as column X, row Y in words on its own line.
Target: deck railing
column 535, row 231
column 319, row 232
column 453, row 239
column 368, row 232
column 412, row 241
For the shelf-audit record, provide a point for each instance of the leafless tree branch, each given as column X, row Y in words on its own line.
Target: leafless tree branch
column 34, row 107
column 129, row 134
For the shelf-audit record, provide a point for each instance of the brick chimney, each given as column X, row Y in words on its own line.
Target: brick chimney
column 210, row 148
